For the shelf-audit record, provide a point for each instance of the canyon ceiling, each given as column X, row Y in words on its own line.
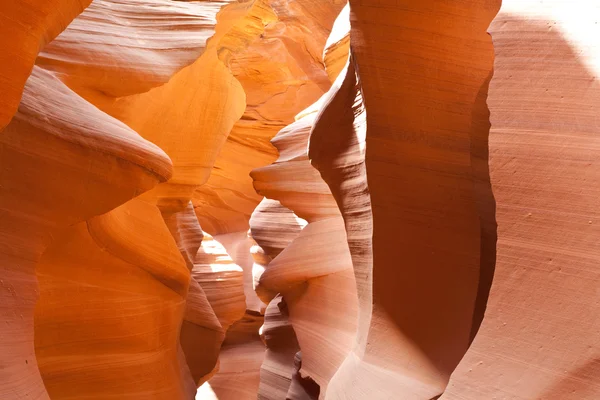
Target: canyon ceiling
column 300, row 199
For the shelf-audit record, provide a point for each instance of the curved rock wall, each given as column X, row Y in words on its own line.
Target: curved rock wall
column 151, row 103
column 273, row 227
column 539, row 337
column 314, row 272
column 299, row 200
column 96, row 163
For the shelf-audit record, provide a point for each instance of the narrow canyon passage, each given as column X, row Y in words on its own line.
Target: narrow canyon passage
column 299, row 200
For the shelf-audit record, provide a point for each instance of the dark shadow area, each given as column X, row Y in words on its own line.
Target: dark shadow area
column 200, row 360
column 282, row 344
column 486, row 204
column 302, row 387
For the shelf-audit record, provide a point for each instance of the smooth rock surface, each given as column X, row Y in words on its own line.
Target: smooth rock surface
column 540, row 338
column 299, row 199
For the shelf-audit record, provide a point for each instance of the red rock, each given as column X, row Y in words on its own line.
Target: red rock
column 540, row 338
column 300, row 200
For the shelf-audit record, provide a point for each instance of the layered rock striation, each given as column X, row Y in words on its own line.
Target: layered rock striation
column 300, row 200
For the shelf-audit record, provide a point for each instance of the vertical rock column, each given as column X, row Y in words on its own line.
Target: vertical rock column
column 337, row 150
column 274, row 227
column 282, row 73
column 421, row 67
column 314, row 272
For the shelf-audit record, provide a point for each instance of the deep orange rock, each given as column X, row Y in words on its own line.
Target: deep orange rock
column 26, row 26
column 300, row 200
column 96, row 163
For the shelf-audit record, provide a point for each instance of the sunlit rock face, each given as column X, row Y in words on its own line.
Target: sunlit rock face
column 303, row 200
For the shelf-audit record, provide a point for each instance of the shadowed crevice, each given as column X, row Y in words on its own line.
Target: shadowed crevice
column 302, row 387
column 486, row 203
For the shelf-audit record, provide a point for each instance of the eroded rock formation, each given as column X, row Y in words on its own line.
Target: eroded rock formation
column 539, row 338
column 300, row 200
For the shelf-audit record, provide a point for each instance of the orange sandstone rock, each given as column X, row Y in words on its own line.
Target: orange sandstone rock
column 150, row 103
column 274, row 227
column 130, row 284
column 314, row 272
column 540, row 338
column 26, row 26
column 95, row 164
column 299, row 200
column 282, row 73
column 420, row 68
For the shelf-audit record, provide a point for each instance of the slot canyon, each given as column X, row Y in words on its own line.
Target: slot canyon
column 300, row 199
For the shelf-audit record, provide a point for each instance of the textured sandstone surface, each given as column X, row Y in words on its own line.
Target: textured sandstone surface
column 75, row 181
column 314, row 271
column 540, row 337
column 299, row 199
column 420, row 106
